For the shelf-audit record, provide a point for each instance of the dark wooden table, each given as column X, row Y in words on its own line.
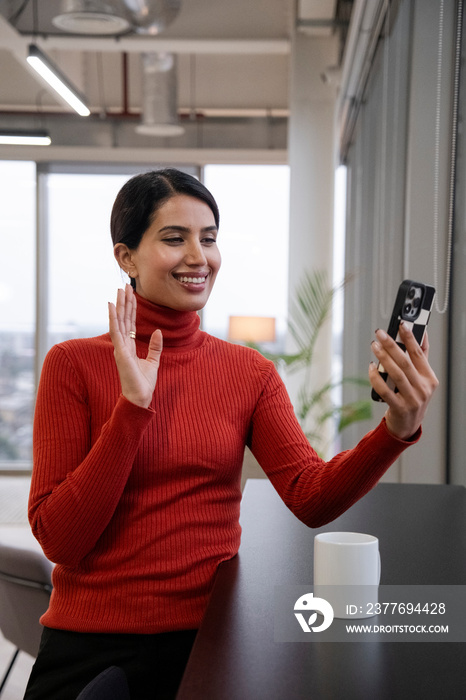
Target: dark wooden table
column 422, row 532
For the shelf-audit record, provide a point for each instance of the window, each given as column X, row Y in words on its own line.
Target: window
column 254, row 213
column 83, row 275
column 17, row 303
column 77, row 274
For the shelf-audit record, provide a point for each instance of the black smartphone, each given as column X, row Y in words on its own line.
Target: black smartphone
column 413, row 305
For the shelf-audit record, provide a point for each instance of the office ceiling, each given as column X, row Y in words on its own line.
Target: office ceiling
column 232, row 57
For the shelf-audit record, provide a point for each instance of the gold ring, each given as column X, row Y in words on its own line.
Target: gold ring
column 132, row 334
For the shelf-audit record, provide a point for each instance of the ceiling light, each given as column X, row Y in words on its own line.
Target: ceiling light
column 16, row 137
column 55, row 78
column 93, row 17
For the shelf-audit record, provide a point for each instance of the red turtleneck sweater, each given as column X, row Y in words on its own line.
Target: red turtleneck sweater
column 137, row 506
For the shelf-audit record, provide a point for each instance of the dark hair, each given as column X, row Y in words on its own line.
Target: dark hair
column 140, row 198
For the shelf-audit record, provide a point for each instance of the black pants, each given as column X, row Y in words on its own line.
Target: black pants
column 67, row 661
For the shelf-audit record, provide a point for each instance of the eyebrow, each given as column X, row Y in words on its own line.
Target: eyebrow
column 186, row 229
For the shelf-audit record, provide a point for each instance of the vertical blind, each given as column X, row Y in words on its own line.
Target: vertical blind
column 397, row 145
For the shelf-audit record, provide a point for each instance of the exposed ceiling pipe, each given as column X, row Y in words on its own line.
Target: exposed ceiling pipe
column 159, row 83
column 124, row 75
column 159, row 96
column 152, row 16
column 136, row 44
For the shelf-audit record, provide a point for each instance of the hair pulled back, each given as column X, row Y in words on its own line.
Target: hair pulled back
column 142, row 195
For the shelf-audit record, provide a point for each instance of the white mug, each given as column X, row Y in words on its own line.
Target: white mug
column 347, row 572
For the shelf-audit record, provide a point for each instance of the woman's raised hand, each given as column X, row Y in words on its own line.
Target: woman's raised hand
column 138, row 376
column 412, row 375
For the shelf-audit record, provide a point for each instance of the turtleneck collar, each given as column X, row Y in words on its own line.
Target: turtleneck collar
column 180, row 329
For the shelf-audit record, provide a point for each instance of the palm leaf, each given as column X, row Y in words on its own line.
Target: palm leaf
column 354, row 412
column 308, row 312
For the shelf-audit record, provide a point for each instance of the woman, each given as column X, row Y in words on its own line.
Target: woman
column 138, row 445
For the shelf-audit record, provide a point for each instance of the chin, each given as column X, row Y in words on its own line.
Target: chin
column 188, row 304
column 193, row 303
column 194, row 306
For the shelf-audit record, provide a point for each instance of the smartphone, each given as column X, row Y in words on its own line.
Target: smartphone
column 413, row 305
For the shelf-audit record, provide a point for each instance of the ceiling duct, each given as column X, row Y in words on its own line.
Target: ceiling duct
column 159, row 101
column 93, row 17
column 152, row 16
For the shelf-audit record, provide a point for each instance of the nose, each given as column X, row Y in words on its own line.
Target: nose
column 195, row 254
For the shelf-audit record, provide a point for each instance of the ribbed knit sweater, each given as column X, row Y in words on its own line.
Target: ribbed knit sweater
column 137, row 507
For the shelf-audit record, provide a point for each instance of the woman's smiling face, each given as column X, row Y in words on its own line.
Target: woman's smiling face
column 177, row 260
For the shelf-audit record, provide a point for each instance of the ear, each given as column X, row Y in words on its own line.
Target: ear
column 124, row 259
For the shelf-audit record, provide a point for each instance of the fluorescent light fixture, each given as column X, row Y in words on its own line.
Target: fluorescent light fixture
column 16, row 137
column 55, row 78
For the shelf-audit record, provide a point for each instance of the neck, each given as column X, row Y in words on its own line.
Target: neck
column 180, row 329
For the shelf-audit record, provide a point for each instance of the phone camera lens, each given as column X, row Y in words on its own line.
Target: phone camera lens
column 416, row 302
column 407, row 309
column 411, row 293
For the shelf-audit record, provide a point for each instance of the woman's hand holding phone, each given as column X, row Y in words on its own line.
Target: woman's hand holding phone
column 413, row 376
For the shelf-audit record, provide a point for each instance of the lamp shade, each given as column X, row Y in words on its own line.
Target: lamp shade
column 251, row 329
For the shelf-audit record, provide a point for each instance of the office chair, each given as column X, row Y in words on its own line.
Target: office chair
column 25, row 587
column 111, row 684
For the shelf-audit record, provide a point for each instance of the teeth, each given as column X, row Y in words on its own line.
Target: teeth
column 192, row 280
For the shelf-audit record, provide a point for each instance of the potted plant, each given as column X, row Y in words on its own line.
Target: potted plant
column 320, row 416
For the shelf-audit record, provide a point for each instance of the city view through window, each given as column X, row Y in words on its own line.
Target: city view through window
column 17, row 301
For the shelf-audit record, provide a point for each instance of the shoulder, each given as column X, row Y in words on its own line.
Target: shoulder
column 79, row 351
column 239, row 353
column 238, row 363
column 75, row 346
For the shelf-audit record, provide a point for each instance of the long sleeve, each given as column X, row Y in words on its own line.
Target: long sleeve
column 316, row 491
column 78, row 477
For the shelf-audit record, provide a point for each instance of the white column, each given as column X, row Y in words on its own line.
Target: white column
column 312, row 167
